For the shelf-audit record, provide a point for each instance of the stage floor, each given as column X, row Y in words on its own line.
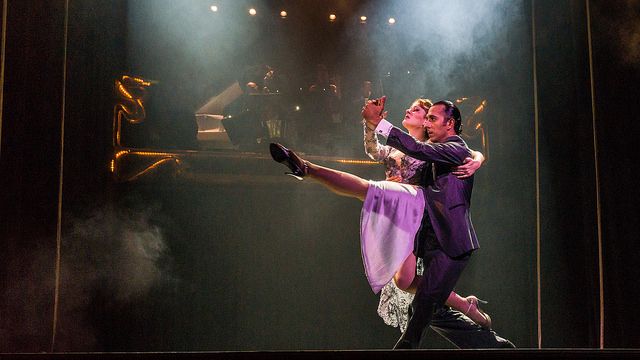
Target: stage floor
column 349, row 354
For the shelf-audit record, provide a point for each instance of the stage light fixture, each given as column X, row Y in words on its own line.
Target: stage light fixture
column 214, row 8
column 283, row 14
column 363, row 19
column 252, row 12
column 392, row 21
column 332, row 17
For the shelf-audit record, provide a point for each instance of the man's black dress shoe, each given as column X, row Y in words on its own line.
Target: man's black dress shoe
column 402, row 344
column 287, row 157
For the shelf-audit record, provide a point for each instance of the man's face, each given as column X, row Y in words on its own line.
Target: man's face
column 438, row 125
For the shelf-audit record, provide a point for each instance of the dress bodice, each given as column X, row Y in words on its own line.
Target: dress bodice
column 395, row 161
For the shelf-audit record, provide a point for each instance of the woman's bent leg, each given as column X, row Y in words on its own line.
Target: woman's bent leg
column 469, row 307
column 405, row 276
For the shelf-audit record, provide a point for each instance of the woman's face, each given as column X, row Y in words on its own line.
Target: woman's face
column 414, row 117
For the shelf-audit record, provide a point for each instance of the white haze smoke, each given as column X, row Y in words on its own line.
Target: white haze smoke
column 111, row 258
column 115, row 256
column 447, row 37
column 119, row 248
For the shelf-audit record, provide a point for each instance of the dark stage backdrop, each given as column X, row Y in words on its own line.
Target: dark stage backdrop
column 266, row 262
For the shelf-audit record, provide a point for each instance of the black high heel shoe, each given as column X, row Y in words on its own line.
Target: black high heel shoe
column 287, row 157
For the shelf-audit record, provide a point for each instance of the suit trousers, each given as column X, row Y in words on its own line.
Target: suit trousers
column 439, row 277
column 463, row 333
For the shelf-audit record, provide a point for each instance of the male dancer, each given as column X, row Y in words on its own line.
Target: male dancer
column 446, row 238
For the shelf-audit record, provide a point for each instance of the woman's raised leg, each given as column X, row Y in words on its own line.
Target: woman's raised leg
column 340, row 182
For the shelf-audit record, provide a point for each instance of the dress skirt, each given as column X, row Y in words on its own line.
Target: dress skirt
column 390, row 219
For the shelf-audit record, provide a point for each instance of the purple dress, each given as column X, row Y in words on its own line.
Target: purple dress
column 394, row 302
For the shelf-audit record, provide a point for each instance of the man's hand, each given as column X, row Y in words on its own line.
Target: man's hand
column 467, row 169
column 373, row 111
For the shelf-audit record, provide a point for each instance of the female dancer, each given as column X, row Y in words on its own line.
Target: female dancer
column 397, row 294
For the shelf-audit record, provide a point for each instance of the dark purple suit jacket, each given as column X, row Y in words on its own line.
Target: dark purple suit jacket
column 448, row 198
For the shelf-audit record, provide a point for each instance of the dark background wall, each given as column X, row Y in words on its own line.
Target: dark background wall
column 275, row 264
column 616, row 78
column 32, row 109
column 568, row 225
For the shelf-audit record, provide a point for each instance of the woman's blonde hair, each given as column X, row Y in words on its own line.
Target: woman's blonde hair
column 423, row 103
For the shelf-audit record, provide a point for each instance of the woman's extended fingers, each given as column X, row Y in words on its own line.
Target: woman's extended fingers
column 467, row 169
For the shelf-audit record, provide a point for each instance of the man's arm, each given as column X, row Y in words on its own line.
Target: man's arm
column 451, row 152
column 448, row 152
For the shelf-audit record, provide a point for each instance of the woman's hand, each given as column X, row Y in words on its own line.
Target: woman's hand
column 373, row 110
column 467, row 169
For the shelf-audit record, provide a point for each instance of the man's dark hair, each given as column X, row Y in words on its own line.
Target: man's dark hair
column 452, row 112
